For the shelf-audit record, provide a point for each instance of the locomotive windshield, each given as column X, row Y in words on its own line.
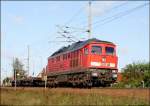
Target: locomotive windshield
column 96, row 50
column 109, row 50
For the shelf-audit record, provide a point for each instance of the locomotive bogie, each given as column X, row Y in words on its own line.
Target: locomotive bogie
column 85, row 78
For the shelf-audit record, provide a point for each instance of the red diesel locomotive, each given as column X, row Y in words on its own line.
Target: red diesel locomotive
column 85, row 63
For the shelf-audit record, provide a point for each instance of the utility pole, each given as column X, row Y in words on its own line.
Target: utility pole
column 45, row 78
column 90, row 20
column 14, row 72
column 33, row 69
column 28, row 61
column 143, row 83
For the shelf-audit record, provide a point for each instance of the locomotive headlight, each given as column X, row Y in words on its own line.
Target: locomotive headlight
column 114, row 75
column 103, row 59
column 95, row 63
column 94, row 74
column 112, row 65
column 113, row 71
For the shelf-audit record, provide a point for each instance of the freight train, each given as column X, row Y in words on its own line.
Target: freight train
column 86, row 63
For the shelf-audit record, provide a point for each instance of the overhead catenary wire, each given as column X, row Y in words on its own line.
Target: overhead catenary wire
column 111, row 18
column 113, row 8
column 72, row 32
column 75, row 15
column 79, row 11
column 116, row 16
column 83, row 29
column 64, row 32
column 117, row 6
column 76, row 28
column 59, row 41
column 119, row 15
column 69, row 38
column 63, row 35
column 66, row 25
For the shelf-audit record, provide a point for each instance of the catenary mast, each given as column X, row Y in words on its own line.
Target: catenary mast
column 90, row 21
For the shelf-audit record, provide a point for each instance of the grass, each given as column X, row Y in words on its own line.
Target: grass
column 67, row 96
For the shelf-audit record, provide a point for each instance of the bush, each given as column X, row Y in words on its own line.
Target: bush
column 134, row 74
column 118, row 85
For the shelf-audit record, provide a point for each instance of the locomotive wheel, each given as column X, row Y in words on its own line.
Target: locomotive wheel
column 89, row 84
column 74, row 85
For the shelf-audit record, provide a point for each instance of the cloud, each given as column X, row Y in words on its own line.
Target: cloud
column 18, row 19
column 100, row 8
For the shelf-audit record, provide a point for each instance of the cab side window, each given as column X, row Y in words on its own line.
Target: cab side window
column 85, row 50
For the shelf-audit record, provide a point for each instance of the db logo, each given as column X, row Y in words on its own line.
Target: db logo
column 103, row 59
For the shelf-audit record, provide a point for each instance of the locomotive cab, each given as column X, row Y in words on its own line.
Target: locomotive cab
column 102, row 56
column 101, row 61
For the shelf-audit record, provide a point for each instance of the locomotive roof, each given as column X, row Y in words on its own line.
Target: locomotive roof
column 78, row 45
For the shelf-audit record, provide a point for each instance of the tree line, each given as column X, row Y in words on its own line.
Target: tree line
column 135, row 75
column 18, row 72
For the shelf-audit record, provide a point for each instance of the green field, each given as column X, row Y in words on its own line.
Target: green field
column 70, row 96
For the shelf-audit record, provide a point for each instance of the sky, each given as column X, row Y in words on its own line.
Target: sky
column 34, row 23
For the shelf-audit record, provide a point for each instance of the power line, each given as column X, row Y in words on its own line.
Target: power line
column 116, row 16
column 108, row 19
column 105, row 19
column 69, row 33
column 69, row 38
column 64, row 32
column 122, row 4
column 72, row 32
column 59, row 41
column 113, row 8
column 75, row 15
column 72, row 27
column 68, row 22
column 119, row 15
